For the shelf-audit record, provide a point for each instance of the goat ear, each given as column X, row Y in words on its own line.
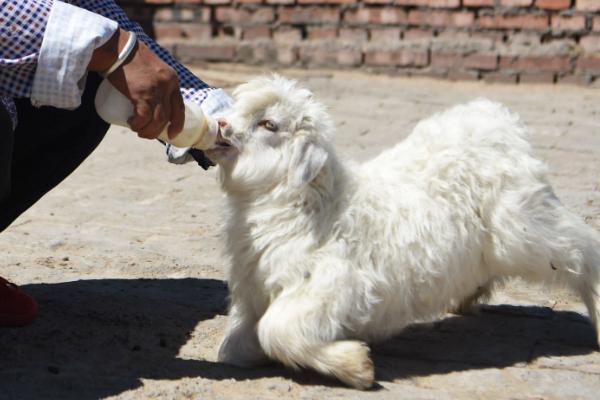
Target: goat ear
column 307, row 160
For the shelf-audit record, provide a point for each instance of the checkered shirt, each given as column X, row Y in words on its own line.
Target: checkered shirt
column 22, row 27
column 51, row 69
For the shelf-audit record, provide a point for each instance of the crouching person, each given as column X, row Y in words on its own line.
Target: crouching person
column 52, row 59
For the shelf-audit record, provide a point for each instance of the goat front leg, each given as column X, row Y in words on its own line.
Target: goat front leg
column 296, row 331
column 240, row 346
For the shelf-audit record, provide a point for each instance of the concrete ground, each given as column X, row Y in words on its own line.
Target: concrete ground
column 124, row 259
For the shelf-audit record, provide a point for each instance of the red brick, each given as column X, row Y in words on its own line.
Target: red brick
column 216, row 52
column 162, row 14
column 516, row 3
column 353, row 34
column 389, row 35
column 553, row 4
column 244, row 15
column 318, row 56
column 228, row 14
column 479, row 3
column 540, row 77
column 588, row 5
column 309, row 15
column 402, row 57
column 197, row 31
column 441, row 18
column 264, row 54
column 496, row 37
column 372, row 15
column 486, row 62
column 322, row 33
column 417, row 34
column 378, row 57
column 391, row 16
column 443, row 3
column 164, row 31
column 326, row 1
column 256, row 32
column 462, row 19
column 482, row 61
column 596, row 24
column 589, row 64
column 500, row 77
column 446, row 60
column 169, row 14
column 536, row 63
column 205, row 13
column 591, row 44
column 518, row 21
column 188, row 14
column 287, row 55
column 349, row 57
column 462, row 75
column 430, row 3
column 287, row 35
column 568, row 23
column 359, row 16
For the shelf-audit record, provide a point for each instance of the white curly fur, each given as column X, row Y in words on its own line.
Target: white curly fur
column 325, row 254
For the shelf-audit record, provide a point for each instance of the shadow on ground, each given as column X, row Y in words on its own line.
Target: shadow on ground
column 99, row 338
column 500, row 336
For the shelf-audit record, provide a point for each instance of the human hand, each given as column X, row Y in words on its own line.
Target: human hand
column 149, row 83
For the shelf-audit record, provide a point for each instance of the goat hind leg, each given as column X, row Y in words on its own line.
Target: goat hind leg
column 580, row 263
column 471, row 304
column 535, row 237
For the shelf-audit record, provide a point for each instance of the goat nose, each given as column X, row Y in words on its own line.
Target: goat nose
column 224, row 128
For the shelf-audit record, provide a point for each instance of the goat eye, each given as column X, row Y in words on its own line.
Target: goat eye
column 269, row 125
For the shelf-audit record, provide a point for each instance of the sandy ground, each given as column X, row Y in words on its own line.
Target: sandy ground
column 124, row 260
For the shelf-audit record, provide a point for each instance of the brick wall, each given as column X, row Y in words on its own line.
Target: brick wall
column 494, row 40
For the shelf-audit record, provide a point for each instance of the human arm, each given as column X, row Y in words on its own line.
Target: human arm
column 192, row 88
column 212, row 101
column 51, row 71
column 149, row 83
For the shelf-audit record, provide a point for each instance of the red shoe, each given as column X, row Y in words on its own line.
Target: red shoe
column 16, row 307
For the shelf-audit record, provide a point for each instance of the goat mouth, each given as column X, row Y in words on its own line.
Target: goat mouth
column 221, row 142
column 222, row 150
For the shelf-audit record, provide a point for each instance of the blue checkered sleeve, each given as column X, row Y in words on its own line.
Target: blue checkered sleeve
column 49, row 70
column 22, row 27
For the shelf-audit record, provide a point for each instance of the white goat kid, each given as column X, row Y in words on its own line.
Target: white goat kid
column 325, row 255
